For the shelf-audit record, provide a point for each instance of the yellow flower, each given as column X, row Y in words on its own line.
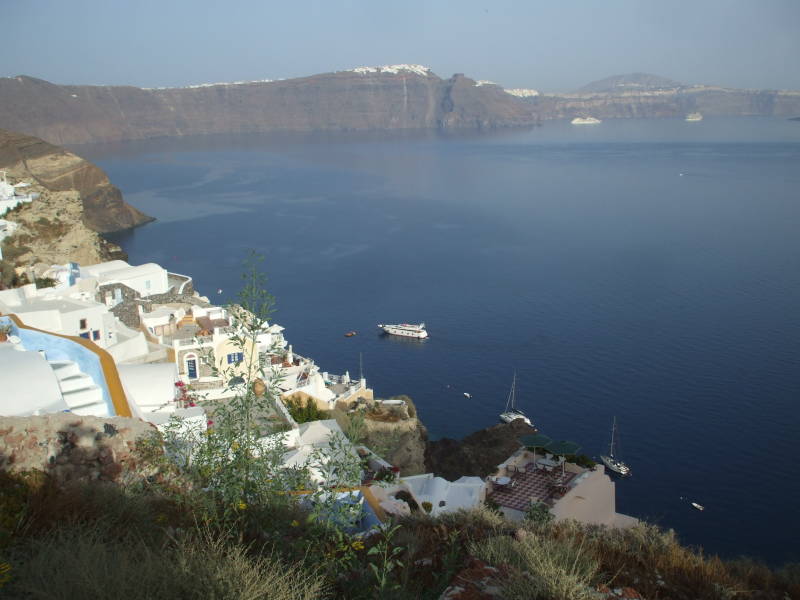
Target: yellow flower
column 161, row 518
column 357, row 545
column 241, row 506
column 295, row 524
column 235, row 446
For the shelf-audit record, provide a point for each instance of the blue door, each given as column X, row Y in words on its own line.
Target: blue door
column 191, row 368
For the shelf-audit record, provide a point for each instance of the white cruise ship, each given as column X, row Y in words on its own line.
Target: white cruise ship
column 405, row 330
column 695, row 116
column 585, row 121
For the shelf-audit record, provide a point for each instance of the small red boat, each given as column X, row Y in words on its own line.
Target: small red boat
column 350, row 334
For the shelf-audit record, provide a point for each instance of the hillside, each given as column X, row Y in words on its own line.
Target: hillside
column 58, row 170
column 630, row 82
column 76, row 203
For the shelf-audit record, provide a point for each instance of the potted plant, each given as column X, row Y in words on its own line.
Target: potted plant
column 5, row 331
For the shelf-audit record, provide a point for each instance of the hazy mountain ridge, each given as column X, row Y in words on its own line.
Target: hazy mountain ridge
column 629, row 82
column 398, row 97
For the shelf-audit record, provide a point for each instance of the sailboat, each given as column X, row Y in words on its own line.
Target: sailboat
column 512, row 413
column 610, row 461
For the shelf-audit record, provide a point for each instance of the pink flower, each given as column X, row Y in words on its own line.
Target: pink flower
column 209, row 423
column 179, row 384
column 192, row 404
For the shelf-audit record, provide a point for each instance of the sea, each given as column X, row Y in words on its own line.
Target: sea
column 647, row 270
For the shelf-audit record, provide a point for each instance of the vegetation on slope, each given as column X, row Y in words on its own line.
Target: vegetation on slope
column 97, row 541
column 224, row 520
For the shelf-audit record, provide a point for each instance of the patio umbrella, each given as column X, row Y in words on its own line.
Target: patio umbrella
column 535, row 440
column 563, row 447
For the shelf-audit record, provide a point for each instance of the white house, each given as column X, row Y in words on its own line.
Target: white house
column 44, row 373
column 70, row 311
column 11, row 196
column 147, row 279
column 446, row 496
column 7, row 228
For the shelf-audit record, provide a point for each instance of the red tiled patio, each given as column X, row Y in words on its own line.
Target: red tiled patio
column 535, row 484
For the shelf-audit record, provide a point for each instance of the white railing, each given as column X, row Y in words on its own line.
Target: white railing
column 186, row 278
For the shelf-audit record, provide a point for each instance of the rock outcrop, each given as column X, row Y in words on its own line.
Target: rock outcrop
column 478, row 454
column 58, row 170
column 69, row 447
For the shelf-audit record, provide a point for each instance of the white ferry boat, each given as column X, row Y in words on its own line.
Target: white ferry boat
column 405, row 330
column 585, row 121
column 695, row 116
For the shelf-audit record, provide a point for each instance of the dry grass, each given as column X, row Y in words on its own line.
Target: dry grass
column 654, row 562
column 540, row 567
column 95, row 562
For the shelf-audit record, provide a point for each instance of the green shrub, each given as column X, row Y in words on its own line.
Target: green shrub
column 538, row 512
column 305, row 412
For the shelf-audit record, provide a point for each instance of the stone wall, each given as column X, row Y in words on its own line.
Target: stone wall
column 126, row 311
column 71, row 447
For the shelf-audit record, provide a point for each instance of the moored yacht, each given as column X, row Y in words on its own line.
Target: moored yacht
column 695, row 116
column 585, row 121
column 405, row 330
column 512, row 413
column 611, row 461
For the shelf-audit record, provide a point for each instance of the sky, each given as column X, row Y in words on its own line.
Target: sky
column 549, row 45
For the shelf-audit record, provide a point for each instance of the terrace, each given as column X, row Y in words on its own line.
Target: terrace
column 531, row 482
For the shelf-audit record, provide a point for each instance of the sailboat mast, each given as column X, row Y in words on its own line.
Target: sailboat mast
column 613, row 430
column 511, row 396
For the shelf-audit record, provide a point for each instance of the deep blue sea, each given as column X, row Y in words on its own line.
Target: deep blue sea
column 644, row 269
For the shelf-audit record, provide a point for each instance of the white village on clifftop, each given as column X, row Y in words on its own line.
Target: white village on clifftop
column 117, row 340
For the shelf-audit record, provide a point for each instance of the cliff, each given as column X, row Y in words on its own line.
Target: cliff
column 388, row 98
column 399, row 97
column 677, row 102
column 56, row 170
column 478, row 454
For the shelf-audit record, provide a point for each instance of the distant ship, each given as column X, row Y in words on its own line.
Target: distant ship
column 585, row 121
column 405, row 330
column 694, row 117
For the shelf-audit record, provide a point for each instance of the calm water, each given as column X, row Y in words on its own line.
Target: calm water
column 644, row 269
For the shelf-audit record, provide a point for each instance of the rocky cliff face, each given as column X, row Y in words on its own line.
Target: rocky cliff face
column 57, row 170
column 396, row 98
column 677, row 102
column 478, row 454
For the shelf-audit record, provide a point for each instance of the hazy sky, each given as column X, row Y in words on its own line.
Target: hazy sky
column 544, row 44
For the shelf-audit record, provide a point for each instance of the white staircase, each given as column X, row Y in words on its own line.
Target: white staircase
column 79, row 390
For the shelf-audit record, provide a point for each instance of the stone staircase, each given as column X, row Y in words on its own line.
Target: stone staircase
column 80, row 392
